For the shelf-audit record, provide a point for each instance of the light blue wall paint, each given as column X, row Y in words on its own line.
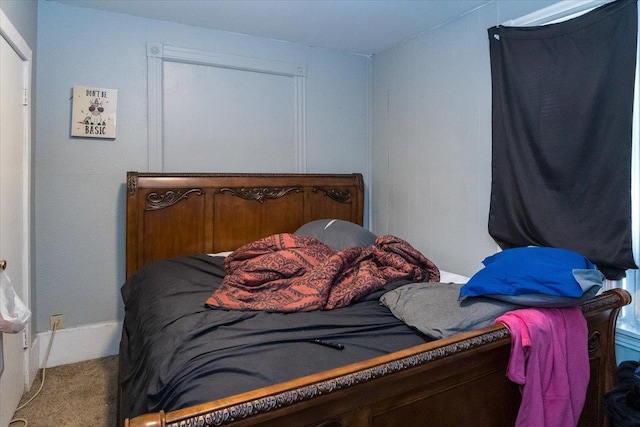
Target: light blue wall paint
column 80, row 182
column 431, row 138
column 430, row 129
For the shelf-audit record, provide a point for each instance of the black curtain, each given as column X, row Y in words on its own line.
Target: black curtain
column 562, row 125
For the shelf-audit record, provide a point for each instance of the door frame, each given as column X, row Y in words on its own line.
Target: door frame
column 20, row 46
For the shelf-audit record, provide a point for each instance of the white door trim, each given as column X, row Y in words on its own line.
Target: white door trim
column 15, row 40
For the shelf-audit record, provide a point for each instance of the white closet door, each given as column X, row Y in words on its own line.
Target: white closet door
column 227, row 120
column 14, row 206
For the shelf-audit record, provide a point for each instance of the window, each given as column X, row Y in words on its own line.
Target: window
column 628, row 326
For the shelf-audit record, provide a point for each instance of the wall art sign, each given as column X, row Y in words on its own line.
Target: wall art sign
column 94, row 112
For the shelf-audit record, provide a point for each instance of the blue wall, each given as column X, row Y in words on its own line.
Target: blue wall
column 80, row 182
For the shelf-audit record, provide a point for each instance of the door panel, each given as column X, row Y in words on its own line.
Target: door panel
column 13, row 214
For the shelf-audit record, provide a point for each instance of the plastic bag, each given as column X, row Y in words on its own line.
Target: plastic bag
column 14, row 314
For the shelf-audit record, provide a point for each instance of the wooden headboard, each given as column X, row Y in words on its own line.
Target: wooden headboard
column 171, row 215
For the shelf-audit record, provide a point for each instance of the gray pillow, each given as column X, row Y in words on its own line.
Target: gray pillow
column 434, row 309
column 337, row 234
column 590, row 281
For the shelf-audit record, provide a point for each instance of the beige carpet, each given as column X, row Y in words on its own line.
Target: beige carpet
column 77, row 395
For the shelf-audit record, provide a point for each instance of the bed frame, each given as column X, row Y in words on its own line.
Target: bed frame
column 456, row 381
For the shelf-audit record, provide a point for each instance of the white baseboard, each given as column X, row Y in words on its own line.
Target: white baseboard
column 33, row 360
column 71, row 345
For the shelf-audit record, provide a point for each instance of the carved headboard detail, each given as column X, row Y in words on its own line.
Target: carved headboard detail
column 260, row 194
column 341, row 195
column 161, row 201
column 171, row 215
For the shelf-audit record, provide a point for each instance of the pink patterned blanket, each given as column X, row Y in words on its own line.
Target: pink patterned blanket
column 288, row 273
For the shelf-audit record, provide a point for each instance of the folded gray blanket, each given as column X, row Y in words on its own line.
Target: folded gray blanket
column 434, row 309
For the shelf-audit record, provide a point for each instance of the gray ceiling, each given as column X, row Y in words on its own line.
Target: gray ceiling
column 355, row 26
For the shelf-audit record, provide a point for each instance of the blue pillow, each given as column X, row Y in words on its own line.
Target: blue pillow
column 531, row 270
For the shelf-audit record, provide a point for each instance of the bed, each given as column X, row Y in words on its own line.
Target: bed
column 338, row 372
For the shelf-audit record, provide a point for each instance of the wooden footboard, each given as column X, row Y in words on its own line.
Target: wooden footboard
column 457, row 381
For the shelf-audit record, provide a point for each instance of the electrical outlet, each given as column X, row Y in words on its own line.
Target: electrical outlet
column 56, row 318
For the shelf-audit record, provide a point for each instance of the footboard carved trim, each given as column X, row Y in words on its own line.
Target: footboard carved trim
column 602, row 309
column 594, row 342
column 250, row 408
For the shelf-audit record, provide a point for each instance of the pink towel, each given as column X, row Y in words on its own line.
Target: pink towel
column 550, row 361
